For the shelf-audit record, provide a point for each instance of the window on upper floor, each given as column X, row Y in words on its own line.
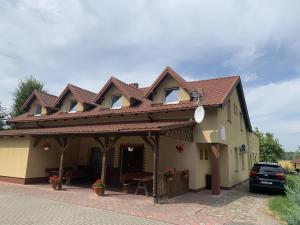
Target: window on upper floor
column 72, row 106
column 37, row 110
column 241, row 121
column 171, row 96
column 116, row 102
column 229, row 110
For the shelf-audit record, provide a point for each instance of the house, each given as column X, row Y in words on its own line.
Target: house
column 83, row 129
column 296, row 163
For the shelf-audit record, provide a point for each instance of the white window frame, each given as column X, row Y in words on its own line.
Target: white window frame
column 111, row 102
column 168, row 89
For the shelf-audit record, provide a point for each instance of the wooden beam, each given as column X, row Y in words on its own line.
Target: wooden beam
column 215, row 148
column 155, row 167
column 103, row 169
column 148, row 142
column 113, row 142
column 100, row 142
column 64, row 142
column 36, row 142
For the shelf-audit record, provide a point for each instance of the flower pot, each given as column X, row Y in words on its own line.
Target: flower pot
column 54, row 184
column 99, row 190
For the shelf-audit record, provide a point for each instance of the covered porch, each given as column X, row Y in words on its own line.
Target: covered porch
column 117, row 153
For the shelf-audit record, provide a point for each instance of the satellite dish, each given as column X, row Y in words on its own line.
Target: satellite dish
column 199, row 114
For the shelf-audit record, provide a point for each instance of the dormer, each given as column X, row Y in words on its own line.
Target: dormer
column 116, row 94
column 169, row 88
column 74, row 99
column 39, row 103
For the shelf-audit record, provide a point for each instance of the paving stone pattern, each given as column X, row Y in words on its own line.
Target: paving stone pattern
column 81, row 206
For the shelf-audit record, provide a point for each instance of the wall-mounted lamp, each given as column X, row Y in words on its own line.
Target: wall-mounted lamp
column 130, row 149
column 47, row 147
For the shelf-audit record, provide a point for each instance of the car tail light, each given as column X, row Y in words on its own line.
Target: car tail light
column 252, row 173
column 280, row 176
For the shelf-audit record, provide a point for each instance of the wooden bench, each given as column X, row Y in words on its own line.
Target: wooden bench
column 127, row 179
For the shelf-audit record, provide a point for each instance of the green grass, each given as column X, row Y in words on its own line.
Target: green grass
column 280, row 204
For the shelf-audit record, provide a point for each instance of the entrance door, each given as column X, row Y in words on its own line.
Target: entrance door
column 96, row 163
column 132, row 161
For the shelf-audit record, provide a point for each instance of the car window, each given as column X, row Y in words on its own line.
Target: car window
column 270, row 169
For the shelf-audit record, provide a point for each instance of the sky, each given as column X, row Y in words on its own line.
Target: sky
column 85, row 42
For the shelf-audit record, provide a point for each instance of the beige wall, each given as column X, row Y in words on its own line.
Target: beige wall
column 234, row 138
column 32, row 108
column 169, row 82
column 39, row 159
column 106, row 103
column 13, row 156
column 66, row 104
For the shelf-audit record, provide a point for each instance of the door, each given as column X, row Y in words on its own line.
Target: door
column 132, row 161
column 96, row 163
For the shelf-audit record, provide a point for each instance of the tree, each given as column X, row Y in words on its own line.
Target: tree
column 22, row 92
column 270, row 149
column 3, row 117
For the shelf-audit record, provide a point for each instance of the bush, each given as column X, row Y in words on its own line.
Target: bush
column 293, row 195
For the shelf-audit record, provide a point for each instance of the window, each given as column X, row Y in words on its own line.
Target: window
column 229, row 110
column 116, row 102
column 37, row 110
column 241, row 121
column 171, row 96
column 235, row 109
column 206, row 154
column 236, row 159
column 201, row 153
column 72, row 107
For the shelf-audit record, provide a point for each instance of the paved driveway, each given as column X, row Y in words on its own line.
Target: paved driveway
column 18, row 209
column 39, row 204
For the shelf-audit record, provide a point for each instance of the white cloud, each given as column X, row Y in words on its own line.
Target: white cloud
column 84, row 42
column 275, row 108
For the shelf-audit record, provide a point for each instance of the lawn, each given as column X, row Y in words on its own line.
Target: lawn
column 280, row 204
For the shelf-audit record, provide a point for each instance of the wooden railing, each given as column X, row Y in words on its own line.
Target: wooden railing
column 168, row 188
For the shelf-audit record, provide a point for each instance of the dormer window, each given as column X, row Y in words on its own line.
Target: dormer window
column 171, row 96
column 73, row 106
column 37, row 110
column 116, row 102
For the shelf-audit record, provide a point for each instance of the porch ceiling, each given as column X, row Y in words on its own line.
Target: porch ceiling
column 101, row 129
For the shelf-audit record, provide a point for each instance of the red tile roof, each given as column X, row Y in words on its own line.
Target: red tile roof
column 296, row 161
column 215, row 93
column 130, row 92
column 168, row 71
column 81, row 95
column 100, row 128
column 45, row 99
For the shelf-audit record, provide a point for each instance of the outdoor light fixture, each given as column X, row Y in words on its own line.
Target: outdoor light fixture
column 130, row 149
column 47, row 147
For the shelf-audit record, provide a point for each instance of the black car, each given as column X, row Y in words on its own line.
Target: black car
column 268, row 176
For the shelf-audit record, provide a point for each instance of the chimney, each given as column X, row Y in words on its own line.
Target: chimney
column 136, row 85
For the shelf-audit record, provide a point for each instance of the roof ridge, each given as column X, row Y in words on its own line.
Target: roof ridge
column 69, row 84
column 216, row 78
column 46, row 93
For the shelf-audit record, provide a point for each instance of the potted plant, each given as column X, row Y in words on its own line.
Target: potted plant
column 98, row 187
column 169, row 174
column 54, row 181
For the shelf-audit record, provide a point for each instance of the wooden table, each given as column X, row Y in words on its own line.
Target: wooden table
column 142, row 184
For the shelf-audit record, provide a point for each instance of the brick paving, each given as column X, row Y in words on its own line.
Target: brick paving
column 232, row 207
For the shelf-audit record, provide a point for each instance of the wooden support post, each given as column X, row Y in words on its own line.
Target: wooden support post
column 215, row 169
column 63, row 142
column 155, row 167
